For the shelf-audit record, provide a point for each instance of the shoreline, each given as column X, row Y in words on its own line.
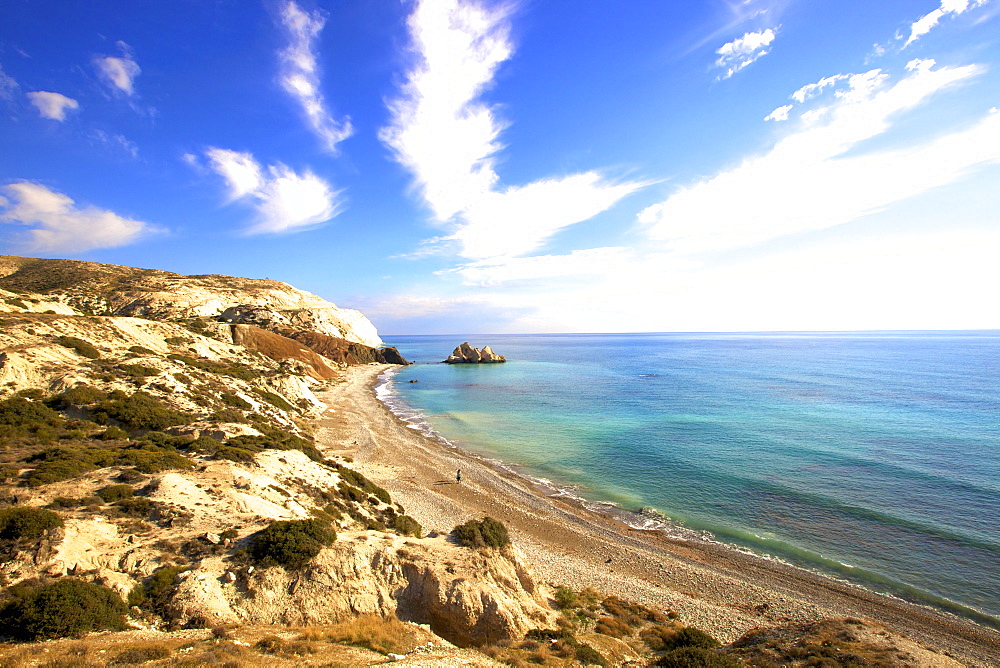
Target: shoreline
column 722, row 590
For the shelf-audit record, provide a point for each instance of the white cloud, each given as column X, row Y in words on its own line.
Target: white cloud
column 119, row 73
column 779, row 114
column 285, row 201
column 52, row 105
column 299, row 74
column 743, row 51
column 58, row 225
column 447, row 138
column 927, row 22
column 807, row 183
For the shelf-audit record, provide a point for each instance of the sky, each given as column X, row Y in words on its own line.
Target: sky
column 476, row 167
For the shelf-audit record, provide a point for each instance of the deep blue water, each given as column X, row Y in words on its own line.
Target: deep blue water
column 872, row 457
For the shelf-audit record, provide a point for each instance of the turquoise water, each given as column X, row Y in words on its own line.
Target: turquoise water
column 872, row 457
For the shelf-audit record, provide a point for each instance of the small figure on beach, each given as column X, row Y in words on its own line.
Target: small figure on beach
column 458, row 476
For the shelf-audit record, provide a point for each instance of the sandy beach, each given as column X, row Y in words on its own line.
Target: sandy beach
column 720, row 590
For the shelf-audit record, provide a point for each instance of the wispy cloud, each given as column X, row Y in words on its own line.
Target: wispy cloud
column 927, row 22
column 806, row 182
column 52, row 105
column 7, row 85
column 285, row 201
column 117, row 141
column 299, row 74
column 741, row 52
column 119, row 73
column 496, row 271
column 448, row 138
column 59, row 225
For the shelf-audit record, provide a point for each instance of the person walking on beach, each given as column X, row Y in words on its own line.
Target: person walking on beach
column 458, row 476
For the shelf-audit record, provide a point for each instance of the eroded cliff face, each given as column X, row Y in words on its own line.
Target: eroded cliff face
column 101, row 289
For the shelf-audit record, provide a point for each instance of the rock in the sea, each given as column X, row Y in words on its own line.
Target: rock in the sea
column 466, row 354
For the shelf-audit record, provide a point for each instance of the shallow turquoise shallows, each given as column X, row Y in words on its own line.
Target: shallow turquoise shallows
column 872, row 457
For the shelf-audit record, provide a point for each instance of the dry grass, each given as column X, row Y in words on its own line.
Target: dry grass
column 384, row 635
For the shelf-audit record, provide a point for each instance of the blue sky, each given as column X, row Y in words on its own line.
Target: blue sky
column 460, row 166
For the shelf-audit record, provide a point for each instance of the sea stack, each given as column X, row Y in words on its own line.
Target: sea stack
column 466, row 354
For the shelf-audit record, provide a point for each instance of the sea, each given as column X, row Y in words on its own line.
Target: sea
column 871, row 457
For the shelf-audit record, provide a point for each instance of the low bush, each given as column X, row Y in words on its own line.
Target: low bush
column 113, row 433
column 113, row 493
column 275, row 400
column 407, row 526
column 138, row 370
column 65, row 462
column 236, row 371
column 140, row 350
column 290, row 543
column 81, row 395
column 588, row 656
column 690, row 637
column 80, row 346
column 20, row 412
column 143, row 654
column 139, row 411
column 155, row 593
column 235, row 401
column 66, row 607
column 696, row 657
column 486, row 532
column 610, row 626
column 385, row 635
column 27, row 523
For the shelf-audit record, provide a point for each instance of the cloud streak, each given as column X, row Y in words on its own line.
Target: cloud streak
column 299, row 75
column 448, row 139
column 741, row 52
column 806, row 182
column 59, row 225
column 284, row 200
column 52, row 105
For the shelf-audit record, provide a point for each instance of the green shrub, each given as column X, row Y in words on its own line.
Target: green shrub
column 66, row 607
column 19, row 412
column 486, row 532
column 290, row 543
column 81, row 395
column 29, row 523
column 141, row 350
column 407, row 526
column 690, row 637
column 63, row 502
column 275, row 400
column 696, row 657
column 64, row 462
column 113, row 493
column 235, row 401
column 113, row 433
column 588, row 656
column 565, row 597
column 134, row 507
column 138, row 370
column 234, row 454
column 140, row 411
column 236, row 371
column 155, row 593
column 80, row 346
column 229, row 415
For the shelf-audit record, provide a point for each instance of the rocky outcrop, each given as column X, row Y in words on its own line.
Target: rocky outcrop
column 342, row 351
column 281, row 348
column 466, row 354
column 466, row 596
column 105, row 289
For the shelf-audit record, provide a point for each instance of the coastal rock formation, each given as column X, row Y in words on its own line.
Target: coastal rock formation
column 466, row 354
column 342, row 351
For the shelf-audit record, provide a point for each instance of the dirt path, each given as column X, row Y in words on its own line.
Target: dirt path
column 720, row 590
